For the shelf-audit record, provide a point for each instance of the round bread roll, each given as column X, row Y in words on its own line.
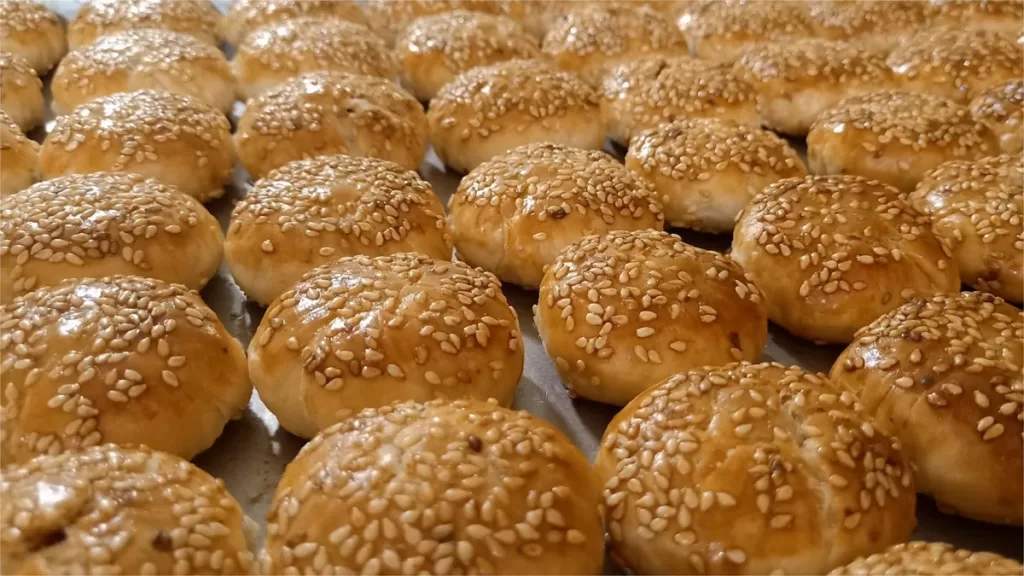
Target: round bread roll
column 723, row 31
column 435, row 49
column 245, row 16
column 278, row 52
column 199, row 18
column 141, row 59
column 1001, row 108
column 619, row 313
column 927, row 558
column 335, row 343
column 311, row 212
column 176, row 139
column 491, row 109
column 30, row 30
column 895, row 137
column 21, row 92
column 513, row 214
column 463, row 487
column 796, row 81
column 388, row 18
column 102, row 224
column 832, row 253
column 956, row 64
column 874, row 26
column 123, row 359
column 644, row 94
column 19, row 157
column 108, row 508
column 749, row 469
column 322, row 113
column 705, row 170
column 538, row 17
column 949, row 368
column 992, row 15
column 977, row 209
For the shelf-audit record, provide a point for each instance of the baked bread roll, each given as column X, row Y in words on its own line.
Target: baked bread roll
column 199, row 18
column 30, row 30
column 795, row 81
column 705, row 170
column 335, row 343
column 19, row 157
column 874, row 26
column 21, row 92
column 925, row 558
column 433, row 50
column 977, row 209
column 127, row 509
column 621, row 312
column 896, row 137
column 311, row 212
column 122, row 359
column 463, row 487
column 1001, row 108
column 538, row 17
column 245, row 16
column 97, row 225
column 322, row 113
column 277, row 52
column 723, row 31
column 949, row 368
column 491, row 109
column 832, row 253
column 991, row 15
column 176, row 139
column 513, row 214
column 749, row 469
column 388, row 18
column 644, row 94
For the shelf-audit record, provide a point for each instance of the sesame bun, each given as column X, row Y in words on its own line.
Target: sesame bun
column 21, row 92
column 144, row 59
column 796, row 81
column 977, row 209
column 176, row 139
column 705, row 170
column 513, row 214
column 723, row 31
column 463, row 487
column 311, row 212
column 750, row 469
column 644, row 94
column 537, row 17
column 874, row 26
column 895, row 137
column 245, row 16
column 993, row 15
column 335, row 343
column 130, row 510
column 491, row 109
column 97, row 18
column 949, row 368
column 592, row 41
column 18, row 155
column 1001, row 108
column 433, row 50
column 322, row 113
column 388, row 18
column 925, row 558
column 622, row 312
column 832, row 253
column 123, row 359
column 102, row 224
column 278, row 52
column 30, row 30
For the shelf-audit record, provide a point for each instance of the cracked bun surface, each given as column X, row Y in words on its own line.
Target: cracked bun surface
column 199, row 18
column 21, row 92
column 1001, row 108
column 919, row 558
column 30, row 30
column 19, row 156
column 245, row 16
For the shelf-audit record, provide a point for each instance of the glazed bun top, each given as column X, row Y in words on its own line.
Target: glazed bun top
column 926, row 558
column 245, row 16
column 32, row 31
column 812, row 63
column 198, row 18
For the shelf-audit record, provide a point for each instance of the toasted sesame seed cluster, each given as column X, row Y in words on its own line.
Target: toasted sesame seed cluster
column 1001, row 108
column 724, row 30
column 19, row 157
column 97, row 18
column 245, row 16
column 21, row 92
column 874, row 26
column 30, row 30
column 388, row 19
column 924, row 558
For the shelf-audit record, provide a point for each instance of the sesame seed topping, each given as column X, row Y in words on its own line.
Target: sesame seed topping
column 724, row 30
column 388, row 18
column 97, row 18
column 920, row 558
column 1001, row 108
column 244, row 16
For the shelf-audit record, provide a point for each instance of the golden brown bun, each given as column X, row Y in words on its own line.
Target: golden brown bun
column 749, row 469
column 97, row 18
column 132, row 510
column 944, row 375
column 832, row 253
column 491, row 109
column 311, row 212
column 705, row 170
column 21, row 92
column 1003, row 16
column 144, row 59
column 926, row 558
column 122, row 359
column 278, row 52
column 19, row 157
column 621, row 312
column 324, row 113
column 796, row 81
column 433, row 50
column 388, row 18
column 513, row 214
column 896, row 137
column 977, row 209
column 1001, row 108
column 537, row 17
column 176, row 139
column 874, row 26
column 245, row 16
column 723, row 31
column 102, row 224
column 336, row 342
column 463, row 487
column 646, row 93
column 30, row 30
